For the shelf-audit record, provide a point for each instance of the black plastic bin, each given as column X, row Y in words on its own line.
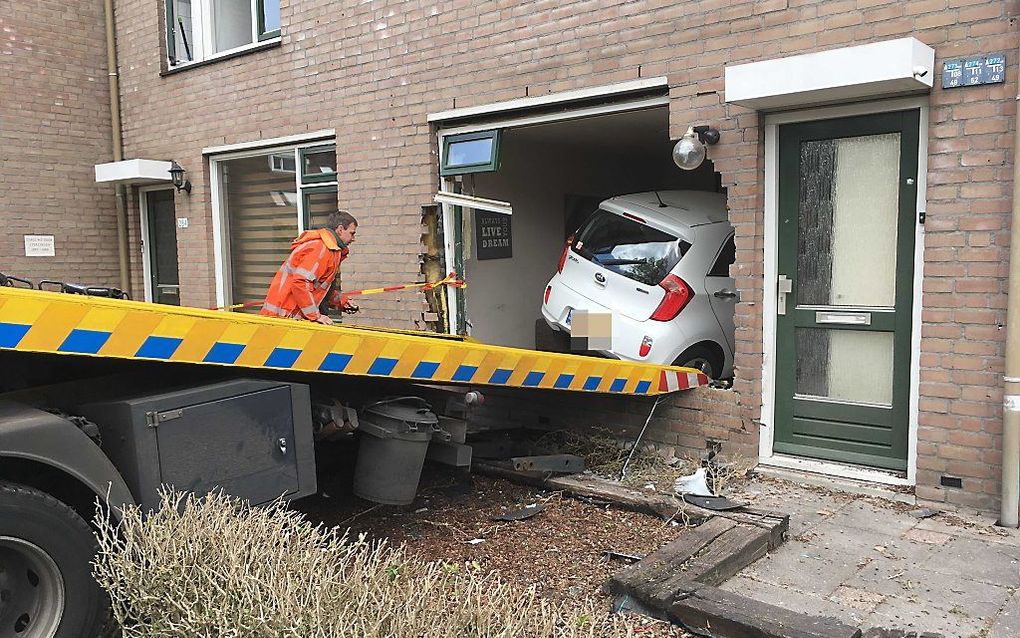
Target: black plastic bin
column 395, row 436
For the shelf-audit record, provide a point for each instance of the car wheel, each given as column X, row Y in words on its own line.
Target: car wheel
column 700, row 357
column 46, row 584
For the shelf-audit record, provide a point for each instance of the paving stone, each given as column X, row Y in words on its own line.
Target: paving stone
column 806, row 508
column 808, row 568
column 988, row 562
column 857, row 598
column 906, row 616
column 793, row 599
column 897, row 550
column 985, row 532
column 928, row 589
column 881, row 632
column 1007, row 623
column 863, row 515
column 928, row 536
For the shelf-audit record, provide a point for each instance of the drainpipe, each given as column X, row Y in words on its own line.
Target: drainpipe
column 1010, row 500
column 118, row 145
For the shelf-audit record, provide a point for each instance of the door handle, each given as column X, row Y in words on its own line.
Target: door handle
column 783, row 288
column 726, row 293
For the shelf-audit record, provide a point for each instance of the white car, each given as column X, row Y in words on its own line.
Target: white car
column 658, row 263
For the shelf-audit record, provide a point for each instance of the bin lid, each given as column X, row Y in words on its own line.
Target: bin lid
column 404, row 415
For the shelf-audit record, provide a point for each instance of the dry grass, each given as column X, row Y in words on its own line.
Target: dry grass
column 605, row 454
column 218, row 567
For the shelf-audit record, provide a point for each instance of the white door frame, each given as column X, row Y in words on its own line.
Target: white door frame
column 766, row 456
column 143, row 232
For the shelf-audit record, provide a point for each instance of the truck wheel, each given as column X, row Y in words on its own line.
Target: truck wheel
column 46, row 584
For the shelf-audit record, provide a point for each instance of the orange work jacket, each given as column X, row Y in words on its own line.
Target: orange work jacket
column 304, row 279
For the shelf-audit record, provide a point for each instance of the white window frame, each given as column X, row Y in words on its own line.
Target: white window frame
column 201, row 23
column 221, row 223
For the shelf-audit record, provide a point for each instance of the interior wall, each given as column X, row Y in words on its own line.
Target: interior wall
column 504, row 296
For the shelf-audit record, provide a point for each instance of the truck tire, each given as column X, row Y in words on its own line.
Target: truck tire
column 46, row 584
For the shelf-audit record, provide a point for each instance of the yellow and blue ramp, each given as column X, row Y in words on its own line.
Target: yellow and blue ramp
column 75, row 325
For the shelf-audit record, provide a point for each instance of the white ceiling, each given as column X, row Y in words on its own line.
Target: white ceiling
column 645, row 131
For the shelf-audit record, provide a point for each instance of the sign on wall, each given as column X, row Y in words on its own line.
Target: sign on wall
column 39, row 246
column 974, row 70
column 492, row 235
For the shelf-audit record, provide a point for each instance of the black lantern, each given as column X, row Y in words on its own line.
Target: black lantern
column 177, row 178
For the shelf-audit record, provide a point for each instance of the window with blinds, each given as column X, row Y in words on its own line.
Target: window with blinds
column 266, row 204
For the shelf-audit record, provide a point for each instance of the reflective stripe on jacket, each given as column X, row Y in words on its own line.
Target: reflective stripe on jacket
column 304, row 279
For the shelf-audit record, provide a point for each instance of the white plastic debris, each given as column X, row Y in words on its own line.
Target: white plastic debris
column 475, row 541
column 695, row 484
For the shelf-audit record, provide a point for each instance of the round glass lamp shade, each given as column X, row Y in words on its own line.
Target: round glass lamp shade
column 689, row 152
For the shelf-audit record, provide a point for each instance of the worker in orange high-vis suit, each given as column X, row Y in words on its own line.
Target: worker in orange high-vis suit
column 305, row 285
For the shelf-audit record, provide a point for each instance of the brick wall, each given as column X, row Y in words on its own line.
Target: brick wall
column 54, row 126
column 374, row 70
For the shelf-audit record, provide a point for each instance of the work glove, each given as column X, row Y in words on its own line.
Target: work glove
column 347, row 306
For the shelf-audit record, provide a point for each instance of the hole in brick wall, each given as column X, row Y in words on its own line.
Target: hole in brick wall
column 951, row 481
column 556, row 175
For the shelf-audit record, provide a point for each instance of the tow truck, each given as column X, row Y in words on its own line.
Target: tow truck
column 103, row 400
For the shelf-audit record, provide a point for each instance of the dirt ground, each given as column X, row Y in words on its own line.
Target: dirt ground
column 559, row 551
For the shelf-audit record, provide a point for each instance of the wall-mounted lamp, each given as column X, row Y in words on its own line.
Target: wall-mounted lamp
column 177, row 178
column 689, row 152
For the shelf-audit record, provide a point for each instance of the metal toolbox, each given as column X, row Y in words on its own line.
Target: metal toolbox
column 252, row 438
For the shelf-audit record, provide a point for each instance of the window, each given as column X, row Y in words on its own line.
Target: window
column 318, row 164
column 728, row 255
column 265, row 204
column 283, row 163
column 629, row 248
column 470, row 153
column 198, row 30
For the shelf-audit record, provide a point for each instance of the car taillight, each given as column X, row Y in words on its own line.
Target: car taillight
column 678, row 295
column 563, row 257
column 646, row 346
column 548, row 289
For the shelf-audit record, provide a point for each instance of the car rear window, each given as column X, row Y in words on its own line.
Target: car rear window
column 628, row 247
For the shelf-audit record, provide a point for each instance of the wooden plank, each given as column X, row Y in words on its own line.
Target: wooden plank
column 658, row 505
column 644, row 579
column 730, row 553
column 724, row 556
column 727, row 615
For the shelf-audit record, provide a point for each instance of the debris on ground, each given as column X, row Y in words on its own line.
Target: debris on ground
column 524, row 513
column 562, row 553
column 604, row 455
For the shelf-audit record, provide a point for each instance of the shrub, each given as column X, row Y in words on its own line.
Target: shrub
column 216, row 566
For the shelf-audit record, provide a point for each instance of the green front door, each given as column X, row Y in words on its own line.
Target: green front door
column 847, row 209
column 161, row 225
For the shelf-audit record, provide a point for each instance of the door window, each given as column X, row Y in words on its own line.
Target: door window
column 849, row 200
column 728, row 255
column 161, row 226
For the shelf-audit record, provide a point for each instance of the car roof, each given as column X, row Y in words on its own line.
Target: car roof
column 683, row 208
